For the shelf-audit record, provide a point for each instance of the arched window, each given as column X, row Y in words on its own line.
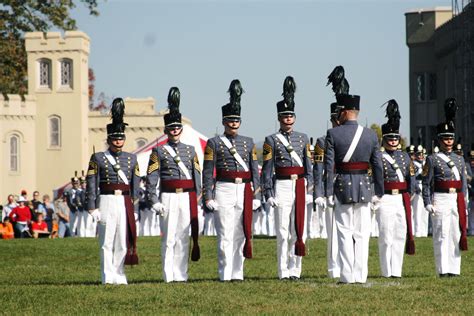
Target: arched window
column 140, row 142
column 66, row 72
column 44, row 70
column 14, row 153
column 54, row 131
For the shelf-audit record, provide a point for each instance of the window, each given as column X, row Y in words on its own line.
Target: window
column 432, row 86
column 425, row 86
column 420, row 87
column 44, row 73
column 14, row 153
column 54, row 132
column 140, row 142
column 66, row 73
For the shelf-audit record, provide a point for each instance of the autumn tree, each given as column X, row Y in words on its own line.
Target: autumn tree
column 18, row 17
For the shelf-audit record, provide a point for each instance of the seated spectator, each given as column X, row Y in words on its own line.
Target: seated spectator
column 39, row 228
column 35, row 202
column 8, row 208
column 54, row 230
column 21, row 218
column 6, row 229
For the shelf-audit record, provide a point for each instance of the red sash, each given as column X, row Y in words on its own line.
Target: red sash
column 248, row 199
column 410, row 243
column 300, row 203
column 188, row 184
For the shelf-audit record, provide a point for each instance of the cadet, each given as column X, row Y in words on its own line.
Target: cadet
column 73, row 200
column 420, row 215
column 229, row 194
column 287, row 154
column 173, row 184
column 319, row 193
column 444, row 188
column 113, row 179
column 349, row 150
column 394, row 215
column 89, row 225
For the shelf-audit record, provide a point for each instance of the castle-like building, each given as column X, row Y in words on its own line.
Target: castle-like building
column 50, row 133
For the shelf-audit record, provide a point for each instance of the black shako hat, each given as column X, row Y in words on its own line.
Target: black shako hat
column 287, row 105
column 116, row 129
column 348, row 101
column 448, row 128
column 173, row 117
column 231, row 111
column 391, row 128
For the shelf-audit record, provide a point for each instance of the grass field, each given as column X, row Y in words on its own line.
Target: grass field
column 62, row 276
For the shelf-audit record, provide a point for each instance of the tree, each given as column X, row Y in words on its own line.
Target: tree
column 17, row 18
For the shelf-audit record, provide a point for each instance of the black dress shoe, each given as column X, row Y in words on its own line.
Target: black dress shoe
column 294, row 278
column 444, row 275
column 285, row 279
column 452, row 275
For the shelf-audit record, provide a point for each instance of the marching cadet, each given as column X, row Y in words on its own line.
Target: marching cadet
column 444, row 187
column 287, row 155
column 420, row 215
column 319, row 193
column 89, row 225
column 173, row 186
column 73, row 200
column 113, row 179
column 230, row 194
column 350, row 148
column 394, row 213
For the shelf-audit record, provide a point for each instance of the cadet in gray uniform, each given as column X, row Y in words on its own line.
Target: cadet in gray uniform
column 113, row 180
column 286, row 154
column 350, row 148
column 173, row 185
column 319, row 193
column 420, row 215
column 394, row 215
column 444, row 188
column 233, row 192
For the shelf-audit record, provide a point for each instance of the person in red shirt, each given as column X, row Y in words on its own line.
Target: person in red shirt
column 40, row 227
column 6, row 229
column 21, row 218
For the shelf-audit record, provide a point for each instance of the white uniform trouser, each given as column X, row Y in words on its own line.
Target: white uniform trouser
column 353, row 234
column 392, row 234
column 89, row 226
column 258, row 222
column 148, row 220
column 230, row 232
column 334, row 270
column 289, row 264
column 374, row 231
column 446, row 234
column 270, row 212
column 74, row 218
column 112, row 239
column 175, row 224
column 323, row 230
column 420, row 217
column 81, row 227
column 313, row 221
column 209, row 226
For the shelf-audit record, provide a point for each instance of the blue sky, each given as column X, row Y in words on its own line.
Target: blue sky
column 142, row 48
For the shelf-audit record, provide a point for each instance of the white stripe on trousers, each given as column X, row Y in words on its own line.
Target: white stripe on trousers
column 229, row 228
column 175, row 225
column 446, row 234
column 353, row 234
column 112, row 239
column 288, row 263
column 392, row 234
column 420, row 217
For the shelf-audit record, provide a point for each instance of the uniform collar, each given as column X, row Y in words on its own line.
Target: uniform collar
column 350, row 122
column 286, row 133
column 230, row 137
column 173, row 144
column 115, row 154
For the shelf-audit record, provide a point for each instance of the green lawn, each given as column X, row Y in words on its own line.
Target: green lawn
column 62, row 276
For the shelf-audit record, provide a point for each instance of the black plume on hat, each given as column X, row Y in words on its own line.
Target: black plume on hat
column 232, row 109
column 173, row 117
column 339, row 83
column 392, row 112
column 448, row 128
column 287, row 105
column 116, row 129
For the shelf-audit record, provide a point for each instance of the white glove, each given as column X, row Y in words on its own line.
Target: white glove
column 212, row 205
column 273, row 202
column 430, row 208
column 256, row 203
column 159, row 208
column 95, row 214
column 375, row 203
column 320, row 202
column 330, row 202
column 309, row 199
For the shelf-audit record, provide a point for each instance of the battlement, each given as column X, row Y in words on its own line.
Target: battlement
column 15, row 106
column 52, row 41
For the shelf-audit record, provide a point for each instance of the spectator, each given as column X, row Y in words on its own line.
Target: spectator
column 47, row 209
column 62, row 212
column 8, row 208
column 36, row 202
column 6, row 229
column 24, row 194
column 21, row 218
column 39, row 228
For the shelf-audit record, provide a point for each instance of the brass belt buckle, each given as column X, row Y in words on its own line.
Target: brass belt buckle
column 294, row 177
column 179, row 190
column 117, row 192
column 395, row 191
column 238, row 180
column 452, row 190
